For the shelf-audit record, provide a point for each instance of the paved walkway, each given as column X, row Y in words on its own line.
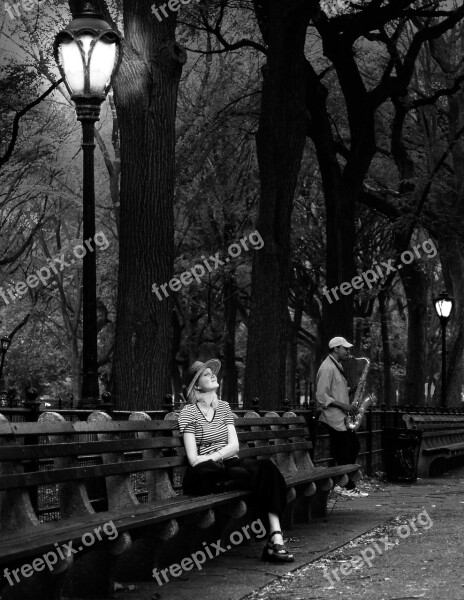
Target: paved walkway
column 406, row 541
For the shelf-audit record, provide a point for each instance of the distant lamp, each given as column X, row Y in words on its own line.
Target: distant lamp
column 5, row 342
column 443, row 306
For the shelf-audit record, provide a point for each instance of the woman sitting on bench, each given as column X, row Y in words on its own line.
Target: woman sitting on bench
column 211, row 444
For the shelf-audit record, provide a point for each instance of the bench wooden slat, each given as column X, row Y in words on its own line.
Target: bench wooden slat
column 319, row 473
column 9, row 482
column 249, row 421
column 244, row 436
column 447, row 448
column 86, row 472
column 276, row 449
column 25, row 429
column 13, row 547
column 439, row 427
column 441, row 432
column 82, row 449
column 41, row 451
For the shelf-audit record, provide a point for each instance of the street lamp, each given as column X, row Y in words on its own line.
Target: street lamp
column 88, row 53
column 5, row 344
column 443, row 307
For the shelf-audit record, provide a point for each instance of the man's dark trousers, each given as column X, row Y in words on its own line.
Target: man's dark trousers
column 344, row 447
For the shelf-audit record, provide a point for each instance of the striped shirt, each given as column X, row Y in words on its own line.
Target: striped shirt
column 209, row 435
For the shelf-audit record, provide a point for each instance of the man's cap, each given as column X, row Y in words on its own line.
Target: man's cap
column 339, row 341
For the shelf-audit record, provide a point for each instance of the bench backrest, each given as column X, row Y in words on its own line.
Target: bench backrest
column 434, row 422
column 132, row 455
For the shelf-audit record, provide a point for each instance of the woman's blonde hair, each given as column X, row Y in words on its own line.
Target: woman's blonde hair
column 195, row 395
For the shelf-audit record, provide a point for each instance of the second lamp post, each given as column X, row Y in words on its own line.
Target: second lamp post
column 443, row 306
column 88, row 55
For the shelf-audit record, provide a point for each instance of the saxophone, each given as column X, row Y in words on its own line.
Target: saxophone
column 353, row 422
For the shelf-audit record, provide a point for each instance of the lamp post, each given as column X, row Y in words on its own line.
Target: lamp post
column 443, row 307
column 5, row 344
column 88, row 55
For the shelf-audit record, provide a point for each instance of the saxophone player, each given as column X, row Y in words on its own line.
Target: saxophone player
column 332, row 395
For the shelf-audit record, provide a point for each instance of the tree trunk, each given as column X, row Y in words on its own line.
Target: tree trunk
column 230, row 383
column 280, row 144
column 416, row 287
column 295, row 326
column 76, row 370
column 338, row 315
column 145, row 99
column 175, row 364
column 387, row 379
column 341, row 186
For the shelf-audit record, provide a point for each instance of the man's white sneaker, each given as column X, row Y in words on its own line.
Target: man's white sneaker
column 338, row 490
column 354, row 493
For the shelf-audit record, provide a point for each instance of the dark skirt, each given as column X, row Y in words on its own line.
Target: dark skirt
column 261, row 477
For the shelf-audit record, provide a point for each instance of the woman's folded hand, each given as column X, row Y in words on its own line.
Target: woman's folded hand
column 200, row 459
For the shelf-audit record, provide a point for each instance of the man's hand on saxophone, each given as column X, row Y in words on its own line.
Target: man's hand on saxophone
column 349, row 409
column 352, row 410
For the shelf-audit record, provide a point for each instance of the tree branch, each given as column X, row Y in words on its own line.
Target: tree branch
column 17, row 254
column 14, row 136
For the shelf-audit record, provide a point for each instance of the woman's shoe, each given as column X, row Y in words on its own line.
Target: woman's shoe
column 276, row 552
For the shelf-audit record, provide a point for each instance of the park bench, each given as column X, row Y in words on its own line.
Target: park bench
column 141, row 462
column 442, row 443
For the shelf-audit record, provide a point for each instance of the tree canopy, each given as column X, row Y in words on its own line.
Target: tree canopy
column 332, row 130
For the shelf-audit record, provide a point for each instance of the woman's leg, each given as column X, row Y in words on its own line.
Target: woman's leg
column 268, row 487
column 274, row 525
column 269, row 496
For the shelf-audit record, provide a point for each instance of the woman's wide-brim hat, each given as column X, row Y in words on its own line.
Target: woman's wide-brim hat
column 196, row 369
